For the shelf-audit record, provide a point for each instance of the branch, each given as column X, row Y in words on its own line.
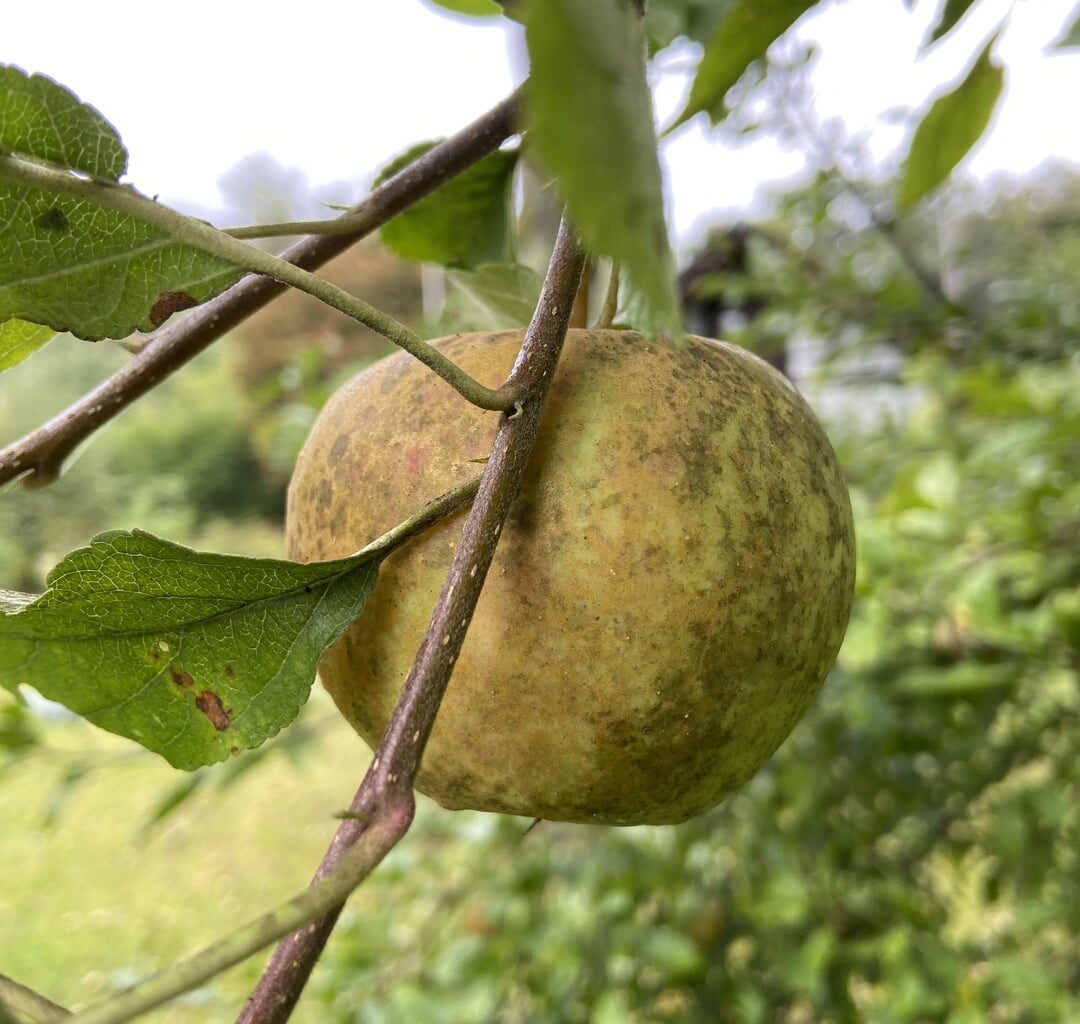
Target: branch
column 16, row 998
column 40, row 455
column 202, row 236
column 611, row 301
column 384, row 805
column 802, row 124
column 383, row 832
column 398, row 756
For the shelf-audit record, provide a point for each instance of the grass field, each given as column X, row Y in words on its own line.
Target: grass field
column 90, row 902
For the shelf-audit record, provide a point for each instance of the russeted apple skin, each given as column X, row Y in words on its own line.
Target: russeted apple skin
column 669, row 592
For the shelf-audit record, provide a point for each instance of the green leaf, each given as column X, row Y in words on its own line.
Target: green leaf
column 950, row 15
column 668, row 20
column 174, row 797
column 464, row 223
column 493, row 297
column 98, row 273
column 194, row 655
column 18, row 730
column 20, row 339
column 673, row 953
column 1070, row 37
column 43, row 120
column 589, row 114
column 71, row 265
column 950, row 129
column 747, row 31
column 471, row 8
column 953, row 680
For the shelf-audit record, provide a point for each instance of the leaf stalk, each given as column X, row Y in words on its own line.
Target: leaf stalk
column 205, row 237
column 39, row 456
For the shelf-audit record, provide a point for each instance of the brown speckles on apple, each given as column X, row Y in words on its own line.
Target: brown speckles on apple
column 323, row 494
column 338, row 449
column 683, row 528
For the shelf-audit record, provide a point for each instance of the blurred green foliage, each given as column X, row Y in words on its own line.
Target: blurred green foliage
column 183, row 465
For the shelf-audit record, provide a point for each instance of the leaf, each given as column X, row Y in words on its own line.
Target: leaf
column 43, row 120
column 589, row 113
column 18, row 730
column 950, row 15
column 950, row 129
column 71, row 265
column 63, row 790
column 471, row 8
column 464, row 223
column 747, row 31
column 957, row 680
column 98, row 273
column 20, row 339
column 1070, row 37
column 673, row 953
column 174, row 797
column 668, row 20
column 493, row 297
column 194, row 655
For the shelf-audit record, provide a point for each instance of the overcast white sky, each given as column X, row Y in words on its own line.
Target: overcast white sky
column 337, row 88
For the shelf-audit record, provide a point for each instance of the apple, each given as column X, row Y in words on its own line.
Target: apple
column 669, row 592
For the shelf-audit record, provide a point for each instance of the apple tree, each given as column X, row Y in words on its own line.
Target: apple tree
column 131, row 625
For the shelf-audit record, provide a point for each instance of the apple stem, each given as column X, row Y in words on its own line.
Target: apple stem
column 611, row 301
column 244, row 256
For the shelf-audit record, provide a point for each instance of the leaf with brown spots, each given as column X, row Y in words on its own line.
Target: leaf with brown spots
column 72, row 265
column 194, row 655
column 105, row 275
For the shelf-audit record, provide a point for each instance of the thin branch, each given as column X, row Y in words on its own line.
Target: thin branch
column 802, row 124
column 384, row 805
column 384, row 830
column 206, row 238
column 441, row 507
column 17, row 998
column 611, row 301
column 283, row 229
column 40, row 455
column 398, row 756
column 579, row 315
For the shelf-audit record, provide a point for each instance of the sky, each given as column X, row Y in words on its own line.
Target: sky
column 339, row 91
